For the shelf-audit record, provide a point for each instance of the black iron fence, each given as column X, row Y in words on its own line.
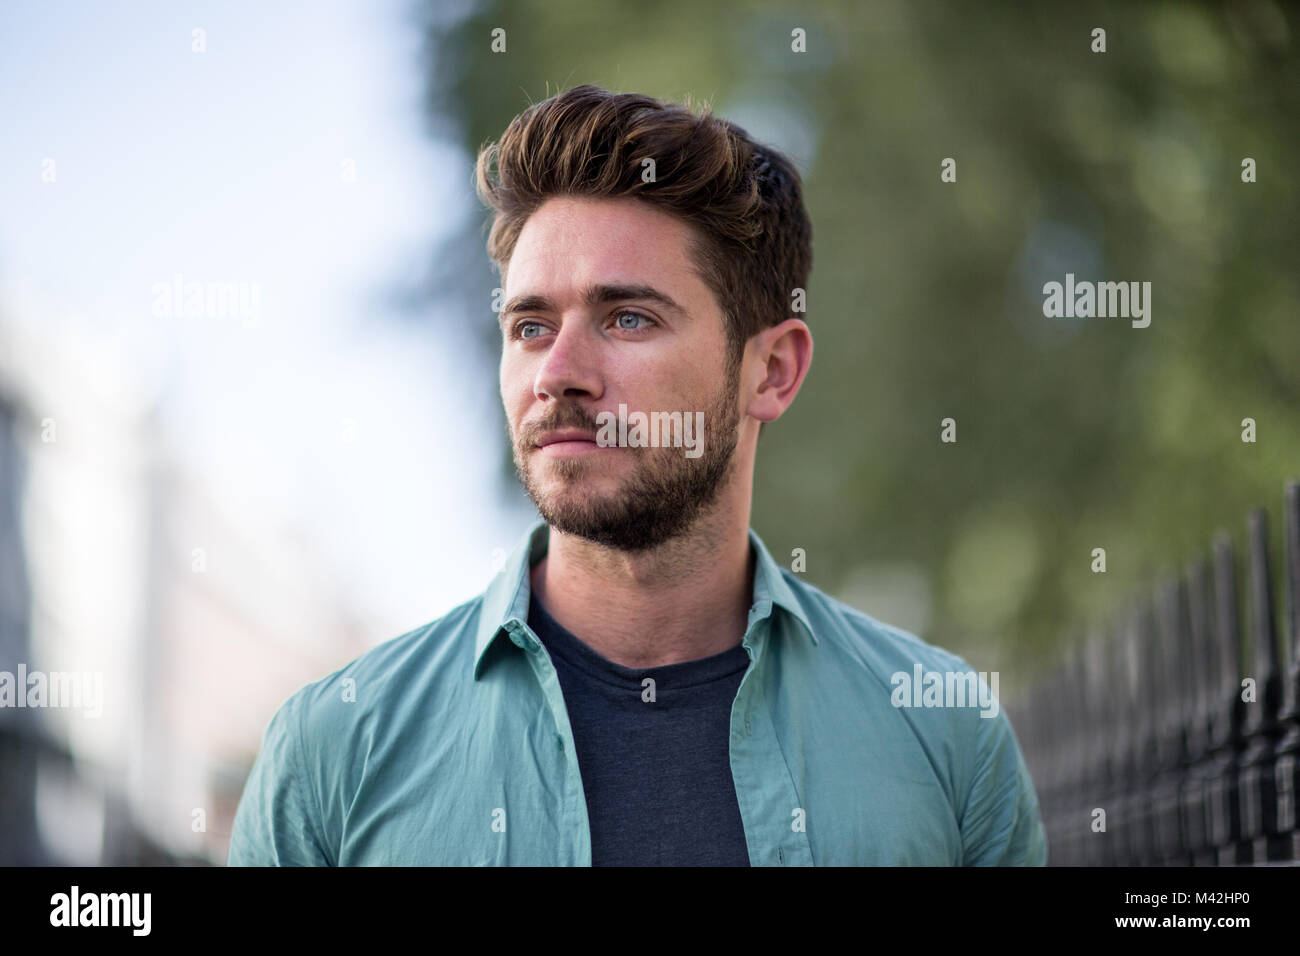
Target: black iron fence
column 1171, row 735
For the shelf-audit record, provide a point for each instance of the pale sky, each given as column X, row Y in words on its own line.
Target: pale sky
column 226, row 166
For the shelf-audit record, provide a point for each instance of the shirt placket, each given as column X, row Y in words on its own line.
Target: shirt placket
column 774, row 818
column 571, row 818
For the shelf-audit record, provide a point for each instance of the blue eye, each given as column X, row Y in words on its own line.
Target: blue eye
column 519, row 330
column 636, row 315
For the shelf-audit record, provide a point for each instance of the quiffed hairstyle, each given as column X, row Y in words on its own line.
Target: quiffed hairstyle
column 753, row 244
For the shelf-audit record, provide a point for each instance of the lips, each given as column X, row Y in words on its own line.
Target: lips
column 565, row 434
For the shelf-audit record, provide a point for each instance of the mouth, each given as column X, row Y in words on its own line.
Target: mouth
column 567, row 442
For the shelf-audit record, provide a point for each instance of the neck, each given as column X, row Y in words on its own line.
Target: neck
column 683, row 600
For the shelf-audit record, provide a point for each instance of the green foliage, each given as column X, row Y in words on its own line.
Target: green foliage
column 926, row 297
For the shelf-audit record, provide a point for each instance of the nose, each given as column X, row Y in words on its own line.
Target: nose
column 570, row 368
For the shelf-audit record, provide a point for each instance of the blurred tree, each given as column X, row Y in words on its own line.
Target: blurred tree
column 926, row 299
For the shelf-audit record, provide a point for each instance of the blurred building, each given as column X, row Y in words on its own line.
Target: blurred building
column 116, row 560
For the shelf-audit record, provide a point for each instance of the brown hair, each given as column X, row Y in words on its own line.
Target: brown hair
column 744, row 200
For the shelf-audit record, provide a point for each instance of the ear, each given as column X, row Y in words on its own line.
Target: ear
column 778, row 359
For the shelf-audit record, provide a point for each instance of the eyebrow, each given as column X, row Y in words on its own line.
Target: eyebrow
column 595, row 295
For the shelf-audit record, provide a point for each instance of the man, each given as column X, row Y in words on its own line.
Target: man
column 641, row 684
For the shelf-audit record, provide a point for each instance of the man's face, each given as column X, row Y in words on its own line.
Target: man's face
column 603, row 307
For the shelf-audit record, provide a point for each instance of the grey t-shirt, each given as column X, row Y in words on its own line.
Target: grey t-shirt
column 657, row 774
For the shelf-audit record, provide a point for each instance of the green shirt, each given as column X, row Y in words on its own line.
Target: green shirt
column 451, row 745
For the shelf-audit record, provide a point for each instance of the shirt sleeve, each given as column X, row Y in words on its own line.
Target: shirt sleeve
column 276, row 823
column 1001, row 825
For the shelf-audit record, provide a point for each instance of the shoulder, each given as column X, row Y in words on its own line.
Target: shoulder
column 320, row 740
column 364, row 696
column 877, row 646
column 952, row 709
column 898, row 682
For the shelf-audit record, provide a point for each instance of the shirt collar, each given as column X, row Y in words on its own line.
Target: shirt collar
column 505, row 602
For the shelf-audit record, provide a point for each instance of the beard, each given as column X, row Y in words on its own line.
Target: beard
column 661, row 499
